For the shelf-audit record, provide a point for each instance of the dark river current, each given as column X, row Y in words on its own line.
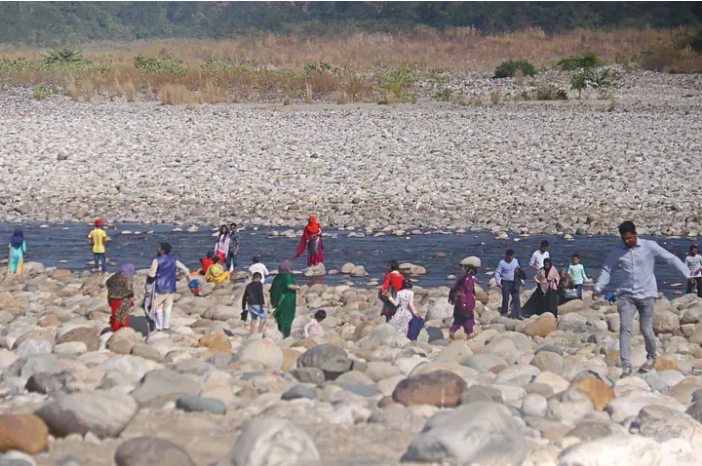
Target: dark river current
column 58, row 243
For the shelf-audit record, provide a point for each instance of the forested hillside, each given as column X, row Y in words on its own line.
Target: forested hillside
column 53, row 23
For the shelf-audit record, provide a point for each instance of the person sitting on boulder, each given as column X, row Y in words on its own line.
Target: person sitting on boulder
column 215, row 273
column 313, row 327
column 206, row 263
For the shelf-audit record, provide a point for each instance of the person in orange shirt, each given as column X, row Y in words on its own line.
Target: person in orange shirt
column 206, row 263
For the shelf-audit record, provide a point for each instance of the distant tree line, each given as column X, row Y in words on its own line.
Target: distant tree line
column 54, row 23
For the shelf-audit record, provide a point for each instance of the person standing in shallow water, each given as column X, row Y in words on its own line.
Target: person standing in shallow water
column 507, row 278
column 312, row 240
column 18, row 248
column 539, row 256
column 637, row 290
column 98, row 238
column 284, row 298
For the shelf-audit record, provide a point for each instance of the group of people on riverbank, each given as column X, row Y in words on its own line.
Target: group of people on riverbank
column 634, row 257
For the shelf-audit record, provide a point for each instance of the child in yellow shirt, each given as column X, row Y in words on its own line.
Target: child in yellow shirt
column 98, row 238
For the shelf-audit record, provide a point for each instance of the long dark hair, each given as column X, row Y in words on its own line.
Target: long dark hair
column 226, row 232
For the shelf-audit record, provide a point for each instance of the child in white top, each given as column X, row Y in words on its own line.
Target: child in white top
column 313, row 327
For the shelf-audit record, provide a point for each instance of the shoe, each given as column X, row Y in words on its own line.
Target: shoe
column 649, row 365
column 626, row 372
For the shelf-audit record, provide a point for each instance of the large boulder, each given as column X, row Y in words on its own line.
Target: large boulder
column 263, row 351
column 595, row 389
column 439, row 388
column 440, row 309
column 331, row 359
column 665, row 322
column 472, row 260
column 623, row 407
column 161, row 386
column 477, row 433
column 271, row 442
column 542, row 326
column 104, row 413
column 629, row 450
column 25, row 433
column 379, row 336
column 151, row 451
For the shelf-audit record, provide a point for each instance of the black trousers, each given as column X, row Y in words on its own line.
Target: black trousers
column 691, row 286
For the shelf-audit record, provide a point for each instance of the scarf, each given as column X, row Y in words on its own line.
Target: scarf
column 548, row 281
column 285, row 267
column 223, row 243
column 17, row 239
column 312, row 227
column 119, row 287
column 128, row 269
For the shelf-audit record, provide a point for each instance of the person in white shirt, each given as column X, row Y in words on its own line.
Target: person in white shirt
column 694, row 262
column 257, row 266
column 537, row 259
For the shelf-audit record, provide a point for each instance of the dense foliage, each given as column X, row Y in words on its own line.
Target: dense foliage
column 53, row 23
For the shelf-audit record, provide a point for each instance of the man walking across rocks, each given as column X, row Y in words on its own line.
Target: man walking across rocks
column 163, row 270
column 637, row 290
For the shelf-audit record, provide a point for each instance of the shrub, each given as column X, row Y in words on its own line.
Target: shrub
column 587, row 60
column 42, row 92
column 395, row 84
column 578, row 82
column 470, row 101
column 550, row 92
column 495, row 97
column 507, row 69
column 444, row 96
column 696, row 42
column 64, row 55
column 176, row 95
column 165, row 65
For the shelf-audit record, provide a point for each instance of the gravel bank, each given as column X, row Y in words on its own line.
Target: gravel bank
column 531, row 167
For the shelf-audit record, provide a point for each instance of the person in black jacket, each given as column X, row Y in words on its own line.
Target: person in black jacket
column 255, row 303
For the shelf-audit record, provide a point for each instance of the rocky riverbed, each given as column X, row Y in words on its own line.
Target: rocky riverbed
column 544, row 391
column 521, row 167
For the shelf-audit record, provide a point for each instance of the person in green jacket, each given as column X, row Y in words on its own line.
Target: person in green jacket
column 284, row 298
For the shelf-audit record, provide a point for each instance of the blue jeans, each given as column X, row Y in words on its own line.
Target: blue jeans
column 257, row 312
column 580, row 290
column 100, row 257
column 511, row 289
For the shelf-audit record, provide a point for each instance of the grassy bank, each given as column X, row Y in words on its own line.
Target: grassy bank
column 361, row 67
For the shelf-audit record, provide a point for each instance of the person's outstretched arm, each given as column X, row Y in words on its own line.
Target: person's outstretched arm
column 606, row 273
column 671, row 259
column 498, row 274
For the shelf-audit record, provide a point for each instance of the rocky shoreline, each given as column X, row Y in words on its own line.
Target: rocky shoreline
column 543, row 392
column 516, row 167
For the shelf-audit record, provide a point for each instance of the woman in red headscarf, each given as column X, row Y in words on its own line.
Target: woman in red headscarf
column 312, row 240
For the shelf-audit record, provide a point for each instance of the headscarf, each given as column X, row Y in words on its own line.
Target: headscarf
column 128, row 269
column 285, row 267
column 312, row 227
column 17, row 239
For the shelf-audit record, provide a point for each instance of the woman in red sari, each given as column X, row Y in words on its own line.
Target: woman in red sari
column 312, row 240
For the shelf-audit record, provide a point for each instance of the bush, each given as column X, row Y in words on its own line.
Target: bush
column 588, row 60
column 64, row 55
column 165, row 64
column 42, row 92
column 506, row 69
column 696, row 42
column 444, row 96
column 395, row 84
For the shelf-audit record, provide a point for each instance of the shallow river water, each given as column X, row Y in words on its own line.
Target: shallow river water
column 59, row 243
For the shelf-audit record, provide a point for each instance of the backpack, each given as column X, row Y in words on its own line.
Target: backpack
column 466, row 299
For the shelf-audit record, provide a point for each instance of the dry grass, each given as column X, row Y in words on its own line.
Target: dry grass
column 673, row 60
column 495, row 97
column 273, row 68
column 469, row 101
column 450, row 49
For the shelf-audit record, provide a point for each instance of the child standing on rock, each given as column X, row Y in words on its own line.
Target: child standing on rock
column 254, row 301
column 98, row 238
column 576, row 272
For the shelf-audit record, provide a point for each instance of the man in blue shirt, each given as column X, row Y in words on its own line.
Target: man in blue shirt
column 506, row 277
column 637, row 291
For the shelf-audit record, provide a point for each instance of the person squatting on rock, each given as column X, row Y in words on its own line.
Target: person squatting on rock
column 694, row 263
column 462, row 296
column 215, row 272
column 507, row 277
column 637, row 290
column 314, row 327
column 254, row 301
column 163, row 270
column 312, row 240
column 120, row 296
column 98, row 238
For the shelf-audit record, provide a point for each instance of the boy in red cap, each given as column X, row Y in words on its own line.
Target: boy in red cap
column 98, row 238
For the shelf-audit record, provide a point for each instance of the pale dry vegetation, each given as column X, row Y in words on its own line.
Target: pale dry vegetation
column 355, row 68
